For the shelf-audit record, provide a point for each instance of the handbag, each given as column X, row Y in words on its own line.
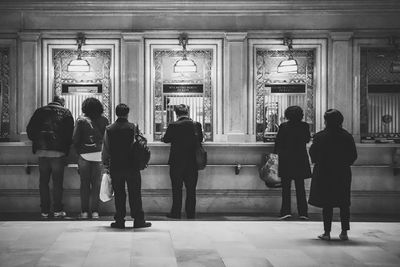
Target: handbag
column 200, row 152
column 269, row 171
column 106, row 190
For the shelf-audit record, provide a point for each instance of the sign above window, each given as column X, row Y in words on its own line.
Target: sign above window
column 285, row 88
column 183, row 88
column 79, row 88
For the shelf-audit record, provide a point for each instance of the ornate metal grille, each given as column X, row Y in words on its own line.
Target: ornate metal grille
column 379, row 94
column 267, row 62
column 202, row 103
column 100, row 64
column 4, row 93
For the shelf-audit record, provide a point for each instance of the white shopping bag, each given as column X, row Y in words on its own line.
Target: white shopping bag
column 106, row 190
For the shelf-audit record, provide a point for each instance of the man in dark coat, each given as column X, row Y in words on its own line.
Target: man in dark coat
column 115, row 156
column 333, row 151
column 183, row 135
column 290, row 145
column 50, row 129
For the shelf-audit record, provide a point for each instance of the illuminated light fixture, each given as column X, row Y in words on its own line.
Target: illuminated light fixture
column 289, row 65
column 184, row 65
column 79, row 64
column 395, row 65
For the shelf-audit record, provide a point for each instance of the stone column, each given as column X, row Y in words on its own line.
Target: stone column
column 340, row 87
column 235, row 89
column 29, row 96
column 132, row 78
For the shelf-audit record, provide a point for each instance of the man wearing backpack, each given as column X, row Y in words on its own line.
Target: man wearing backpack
column 117, row 160
column 50, row 129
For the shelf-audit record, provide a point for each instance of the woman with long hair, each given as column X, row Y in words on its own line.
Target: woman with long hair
column 87, row 139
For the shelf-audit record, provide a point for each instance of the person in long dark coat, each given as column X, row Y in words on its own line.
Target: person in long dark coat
column 294, row 164
column 333, row 151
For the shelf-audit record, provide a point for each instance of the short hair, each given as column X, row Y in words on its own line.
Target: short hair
column 294, row 113
column 333, row 118
column 122, row 110
column 92, row 108
column 181, row 110
column 59, row 99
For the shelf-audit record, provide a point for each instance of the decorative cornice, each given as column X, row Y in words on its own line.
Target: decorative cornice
column 235, row 36
column 29, row 36
column 132, row 36
column 341, row 36
column 207, row 6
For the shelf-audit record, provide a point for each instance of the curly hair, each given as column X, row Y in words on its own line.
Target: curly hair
column 181, row 110
column 294, row 113
column 92, row 108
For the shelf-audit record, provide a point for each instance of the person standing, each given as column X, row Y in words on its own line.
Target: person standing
column 333, row 151
column 115, row 156
column 50, row 129
column 87, row 139
column 183, row 135
column 290, row 145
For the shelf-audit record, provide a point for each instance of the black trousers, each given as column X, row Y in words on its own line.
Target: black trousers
column 302, row 207
column 133, row 179
column 54, row 168
column 327, row 213
column 188, row 175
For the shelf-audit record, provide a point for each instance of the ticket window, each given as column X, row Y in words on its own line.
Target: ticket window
column 277, row 91
column 380, row 95
column 75, row 94
column 193, row 88
column 76, row 86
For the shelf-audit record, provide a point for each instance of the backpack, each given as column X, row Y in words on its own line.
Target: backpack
column 140, row 152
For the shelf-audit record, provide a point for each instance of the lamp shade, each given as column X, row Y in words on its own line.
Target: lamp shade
column 288, row 66
column 78, row 65
column 185, row 65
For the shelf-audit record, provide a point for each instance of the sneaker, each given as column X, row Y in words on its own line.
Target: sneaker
column 95, row 215
column 285, row 217
column 142, row 224
column 343, row 237
column 325, row 237
column 60, row 214
column 118, row 225
column 304, row 218
column 84, row 215
column 44, row 215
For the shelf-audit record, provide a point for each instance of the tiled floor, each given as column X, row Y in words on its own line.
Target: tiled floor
column 196, row 243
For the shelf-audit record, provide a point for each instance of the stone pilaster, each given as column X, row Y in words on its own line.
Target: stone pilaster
column 132, row 78
column 236, row 95
column 29, row 96
column 340, row 87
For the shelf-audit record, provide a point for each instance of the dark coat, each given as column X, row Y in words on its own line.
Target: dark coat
column 333, row 152
column 50, row 128
column 290, row 145
column 117, row 145
column 181, row 135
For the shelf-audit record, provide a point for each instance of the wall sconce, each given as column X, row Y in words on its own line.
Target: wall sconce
column 289, row 65
column 79, row 64
column 395, row 65
column 184, row 65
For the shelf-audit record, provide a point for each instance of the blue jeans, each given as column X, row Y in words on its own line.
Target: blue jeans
column 90, row 172
column 53, row 167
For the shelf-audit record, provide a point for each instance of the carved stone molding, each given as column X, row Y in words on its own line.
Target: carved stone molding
column 235, row 36
column 29, row 36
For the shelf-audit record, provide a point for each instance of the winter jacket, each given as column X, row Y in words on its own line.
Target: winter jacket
column 50, row 128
